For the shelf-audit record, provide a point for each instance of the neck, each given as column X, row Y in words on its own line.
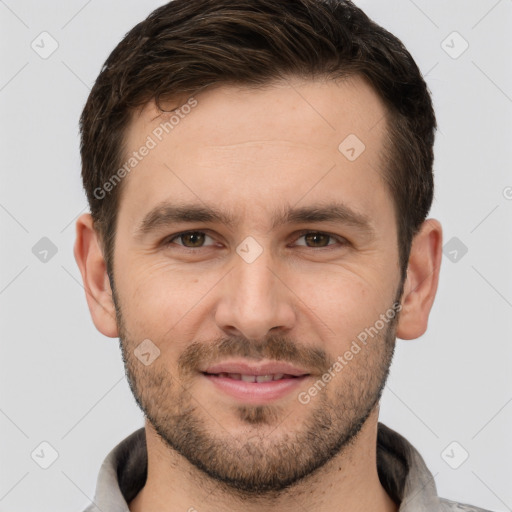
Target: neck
column 349, row 482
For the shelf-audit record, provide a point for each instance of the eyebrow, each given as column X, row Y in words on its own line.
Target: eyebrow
column 166, row 214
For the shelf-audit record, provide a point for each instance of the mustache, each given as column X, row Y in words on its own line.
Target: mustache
column 274, row 347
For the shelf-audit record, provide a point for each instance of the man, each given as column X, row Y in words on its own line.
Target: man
column 259, row 175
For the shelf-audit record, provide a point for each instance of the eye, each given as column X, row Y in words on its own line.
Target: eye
column 197, row 239
column 319, row 239
column 189, row 239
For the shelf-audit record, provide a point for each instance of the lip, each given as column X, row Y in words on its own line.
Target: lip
column 256, row 392
column 267, row 368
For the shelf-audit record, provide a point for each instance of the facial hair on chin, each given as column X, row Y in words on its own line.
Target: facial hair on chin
column 262, row 465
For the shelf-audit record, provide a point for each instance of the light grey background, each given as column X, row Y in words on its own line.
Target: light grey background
column 62, row 382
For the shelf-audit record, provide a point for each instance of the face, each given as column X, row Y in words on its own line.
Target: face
column 249, row 244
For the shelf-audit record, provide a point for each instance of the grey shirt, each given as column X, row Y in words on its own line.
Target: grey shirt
column 401, row 469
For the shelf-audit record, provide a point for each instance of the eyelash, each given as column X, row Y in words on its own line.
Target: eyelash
column 343, row 241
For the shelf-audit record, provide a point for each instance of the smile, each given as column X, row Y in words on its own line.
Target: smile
column 255, row 389
column 253, row 378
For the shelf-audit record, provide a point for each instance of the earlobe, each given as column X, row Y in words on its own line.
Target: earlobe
column 90, row 260
column 422, row 279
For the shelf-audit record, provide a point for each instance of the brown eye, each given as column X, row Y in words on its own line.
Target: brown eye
column 195, row 239
column 317, row 239
column 190, row 239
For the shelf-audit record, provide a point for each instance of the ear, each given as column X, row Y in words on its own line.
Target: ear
column 89, row 257
column 421, row 282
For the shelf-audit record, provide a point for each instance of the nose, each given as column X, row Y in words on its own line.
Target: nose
column 255, row 299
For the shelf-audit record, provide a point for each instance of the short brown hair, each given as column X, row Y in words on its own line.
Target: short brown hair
column 188, row 45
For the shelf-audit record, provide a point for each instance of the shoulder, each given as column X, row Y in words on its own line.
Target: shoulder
column 454, row 506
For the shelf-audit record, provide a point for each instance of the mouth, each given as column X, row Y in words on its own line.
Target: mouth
column 245, row 370
column 255, row 383
column 252, row 378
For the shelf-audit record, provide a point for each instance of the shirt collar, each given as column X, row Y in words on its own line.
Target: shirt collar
column 401, row 469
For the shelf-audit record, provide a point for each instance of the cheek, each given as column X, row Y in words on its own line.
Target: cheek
column 158, row 299
column 164, row 301
column 343, row 302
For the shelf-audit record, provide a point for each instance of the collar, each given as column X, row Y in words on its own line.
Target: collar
column 401, row 469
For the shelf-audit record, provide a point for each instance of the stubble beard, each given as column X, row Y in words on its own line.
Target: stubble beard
column 260, row 459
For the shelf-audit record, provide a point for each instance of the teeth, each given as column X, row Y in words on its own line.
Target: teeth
column 254, row 378
column 264, row 378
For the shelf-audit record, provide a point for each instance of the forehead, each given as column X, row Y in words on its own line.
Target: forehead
column 228, row 114
column 258, row 146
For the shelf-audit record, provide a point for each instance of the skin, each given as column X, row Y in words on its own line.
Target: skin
column 250, row 152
